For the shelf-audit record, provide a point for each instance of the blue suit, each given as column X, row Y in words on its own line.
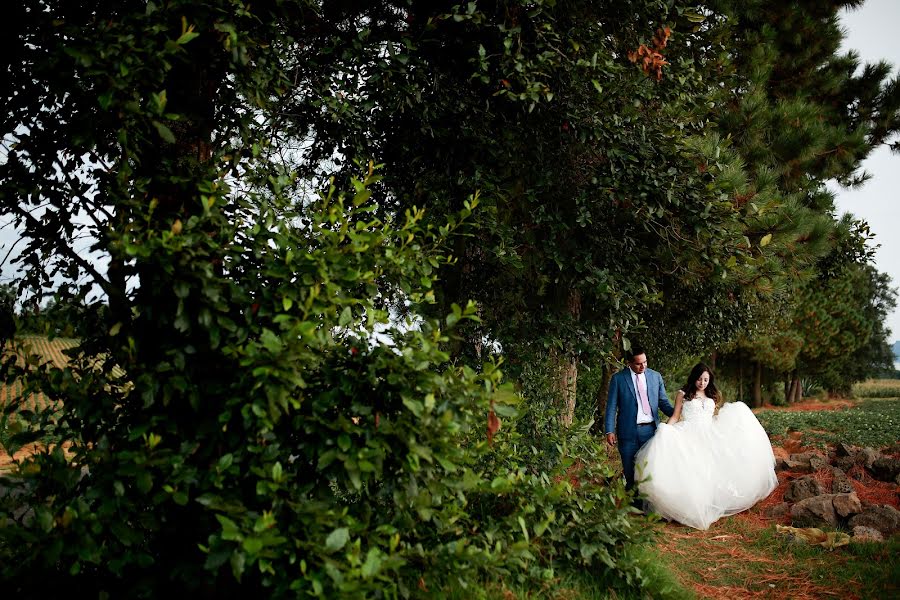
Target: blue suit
column 621, row 415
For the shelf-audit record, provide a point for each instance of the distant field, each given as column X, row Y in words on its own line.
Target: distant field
column 49, row 351
column 873, row 422
column 877, row 388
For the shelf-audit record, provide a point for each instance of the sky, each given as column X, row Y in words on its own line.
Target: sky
column 871, row 32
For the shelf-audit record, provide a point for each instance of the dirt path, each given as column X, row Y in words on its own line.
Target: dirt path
column 740, row 557
column 725, row 562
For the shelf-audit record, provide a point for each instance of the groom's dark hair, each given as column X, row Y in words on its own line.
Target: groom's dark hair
column 635, row 351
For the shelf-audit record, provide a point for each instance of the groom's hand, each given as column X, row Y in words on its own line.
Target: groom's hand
column 611, row 439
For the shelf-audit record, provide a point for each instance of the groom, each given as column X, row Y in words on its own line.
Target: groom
column 632, row 409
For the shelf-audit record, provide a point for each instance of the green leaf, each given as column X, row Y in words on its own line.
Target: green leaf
column 337, row 539
column 361, row 197
column 187, row 33
column 372, row 564
column 238, row 561
column 186, row 37
column 164, row 132
column 144, row 482
column 694, row 17
column 230, row 529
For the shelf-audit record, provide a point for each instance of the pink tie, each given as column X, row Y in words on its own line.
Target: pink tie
column 642, row 395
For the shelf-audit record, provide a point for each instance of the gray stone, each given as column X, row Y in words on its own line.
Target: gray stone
column 780, row 464
column 804, row 457
column 806, row 462
column 797, row 466
column 776, row 511
column 861, row 533
column 884, row 518
column 815, row 512
column 867, row 457
column 818, row 462
column 885, row 468
column 803, row 488
column 844, row 463
column 841, row 483
column 846, row 505
column 844, row 449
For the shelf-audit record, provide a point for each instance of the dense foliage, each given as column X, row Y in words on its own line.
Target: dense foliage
column 243, row 412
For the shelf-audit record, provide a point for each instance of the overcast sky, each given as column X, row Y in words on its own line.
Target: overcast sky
column 872, row 32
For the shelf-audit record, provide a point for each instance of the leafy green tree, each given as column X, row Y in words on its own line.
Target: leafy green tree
column 245, row 415
column 602, row 190
column 841, row 320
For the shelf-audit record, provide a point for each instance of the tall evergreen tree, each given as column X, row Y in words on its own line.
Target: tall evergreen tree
column 802, row 114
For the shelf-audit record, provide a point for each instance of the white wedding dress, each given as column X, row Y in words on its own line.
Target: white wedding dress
column 706, row 467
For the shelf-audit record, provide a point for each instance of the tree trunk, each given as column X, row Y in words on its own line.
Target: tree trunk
column 740, row 376
column 712, row 360
column 796, row 388
column 568, row 386
column 756, row 401
column 568, row 366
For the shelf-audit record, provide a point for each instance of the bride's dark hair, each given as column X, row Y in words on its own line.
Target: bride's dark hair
column 690, row 388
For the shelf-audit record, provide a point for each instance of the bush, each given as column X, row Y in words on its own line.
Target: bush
column 292, row 438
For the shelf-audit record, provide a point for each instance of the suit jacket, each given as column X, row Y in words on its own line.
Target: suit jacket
column 621, row 404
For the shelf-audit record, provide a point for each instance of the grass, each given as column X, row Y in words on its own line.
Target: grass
column 743, row 557
column 874, row 422
column 869, row 570
column 662, row 585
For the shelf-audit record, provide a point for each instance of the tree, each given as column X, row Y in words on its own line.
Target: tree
column 840, row 317
column 245, row 416
column 590, row 168
column 801, row 115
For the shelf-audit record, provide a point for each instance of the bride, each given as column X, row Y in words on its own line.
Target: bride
column 706, row 462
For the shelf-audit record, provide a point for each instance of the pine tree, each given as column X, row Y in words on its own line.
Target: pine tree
column 802, row 114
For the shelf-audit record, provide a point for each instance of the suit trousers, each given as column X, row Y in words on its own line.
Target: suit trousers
column 629, row 446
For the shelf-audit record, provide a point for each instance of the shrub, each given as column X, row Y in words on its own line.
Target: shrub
column 292, row 438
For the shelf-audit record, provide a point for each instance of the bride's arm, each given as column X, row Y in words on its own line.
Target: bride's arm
column 679, row 402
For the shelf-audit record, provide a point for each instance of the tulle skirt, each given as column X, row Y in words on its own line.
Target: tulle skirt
column 698, row 472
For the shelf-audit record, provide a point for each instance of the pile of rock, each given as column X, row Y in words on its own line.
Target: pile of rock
column 809, row 504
